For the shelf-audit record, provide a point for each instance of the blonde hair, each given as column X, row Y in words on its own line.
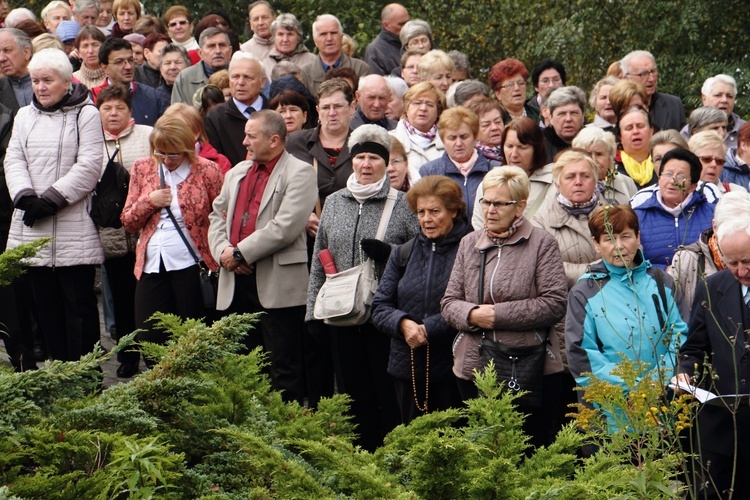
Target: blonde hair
column 707, row 139
column 514, row 177
column 172, row 135
column 190, row 116
column 453, row 118
column 433, row 60
column 569, row 157
column 421, row 89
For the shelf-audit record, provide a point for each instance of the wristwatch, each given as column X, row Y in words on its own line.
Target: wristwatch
column 237, row 255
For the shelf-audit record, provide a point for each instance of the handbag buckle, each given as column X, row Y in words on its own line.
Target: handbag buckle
column 513, row 382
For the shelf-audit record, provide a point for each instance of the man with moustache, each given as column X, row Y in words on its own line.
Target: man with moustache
column 215, row 51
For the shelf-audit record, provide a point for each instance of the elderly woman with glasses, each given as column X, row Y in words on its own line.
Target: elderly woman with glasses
column 508, row 82
column 417, row 129
column 711, row 150
column 437, row 67
column 508, row 285
column 675, row 214
column 416, row 35
column 169, row 201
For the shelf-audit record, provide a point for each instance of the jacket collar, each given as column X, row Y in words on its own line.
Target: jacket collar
column 522, row 234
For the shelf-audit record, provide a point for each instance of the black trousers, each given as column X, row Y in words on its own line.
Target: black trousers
column 68, row 316
column 281, row 330
column 16, row 333
column 122, row 285
column 175, row 292
column 360, row 357
column 443, row 394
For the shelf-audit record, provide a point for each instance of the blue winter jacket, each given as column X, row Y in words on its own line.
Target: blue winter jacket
column 469, row 184
column 612, row 314
column 735, row 172
column 662, row 234
column 414, row 292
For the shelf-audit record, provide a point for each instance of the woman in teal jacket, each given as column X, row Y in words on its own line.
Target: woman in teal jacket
column 624, row 308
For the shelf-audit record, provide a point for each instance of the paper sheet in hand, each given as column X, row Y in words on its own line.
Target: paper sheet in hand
column 709, row 397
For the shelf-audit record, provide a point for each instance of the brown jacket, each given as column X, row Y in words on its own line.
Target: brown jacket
column 524, row 278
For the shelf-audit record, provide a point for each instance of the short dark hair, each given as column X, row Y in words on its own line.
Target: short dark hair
column 109, row 46
column 543, row 66
column 272, row 123
column 612, row 219
column 687, row 156
column 528, row 132
column 343, row 73
column 448, row 190
column 115, row 93
column 289, row 98
column 89, row 32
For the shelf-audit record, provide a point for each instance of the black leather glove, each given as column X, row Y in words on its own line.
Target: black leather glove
column 316, row 329
column 377, row 250
column 38, row 209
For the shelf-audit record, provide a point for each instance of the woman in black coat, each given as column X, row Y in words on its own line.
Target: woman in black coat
column 407, row 304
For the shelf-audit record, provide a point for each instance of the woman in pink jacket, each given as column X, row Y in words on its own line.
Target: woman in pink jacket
column 172, row 179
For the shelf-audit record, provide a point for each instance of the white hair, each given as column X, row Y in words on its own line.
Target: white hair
column 326, row 17
column 625, row 62
column 589, row 136
column 54, row 4
column 54, row 59
column 710, row 82
column 732, row 214
column 246, row 56
column 397, row 85
column 15, row 16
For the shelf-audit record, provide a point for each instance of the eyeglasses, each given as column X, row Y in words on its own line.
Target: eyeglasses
column 396, row 161
column 121, row 62
column 497, row 205
column 426, row 104
column 550, row 81
column 327, row 108
column 643, row 75
column 678, row 177
column 709, row 159
column 510, row 86
column 163, row 156
column 181, row 22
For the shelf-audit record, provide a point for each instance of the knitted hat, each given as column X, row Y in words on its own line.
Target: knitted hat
column 67, row 30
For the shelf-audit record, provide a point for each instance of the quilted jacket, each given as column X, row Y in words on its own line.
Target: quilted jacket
column 57, row 154
column 662, row 234
column 524, row 279
column 414, row 292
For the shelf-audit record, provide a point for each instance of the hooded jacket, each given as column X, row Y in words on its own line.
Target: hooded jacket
column 735, row 170
column 56, row 153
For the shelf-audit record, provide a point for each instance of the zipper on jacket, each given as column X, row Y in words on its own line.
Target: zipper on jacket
column 57, row 177
column 428, row 284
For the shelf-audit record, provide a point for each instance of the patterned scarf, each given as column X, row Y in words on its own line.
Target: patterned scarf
column 640, row 172
column 713, row 245
column 578, row 208
column 492, row 152
column 500, row 238
column 413, row 131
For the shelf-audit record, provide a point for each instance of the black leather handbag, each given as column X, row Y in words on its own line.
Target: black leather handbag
column 520, row 367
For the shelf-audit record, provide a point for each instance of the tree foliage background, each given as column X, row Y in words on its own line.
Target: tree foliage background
column 691, row 39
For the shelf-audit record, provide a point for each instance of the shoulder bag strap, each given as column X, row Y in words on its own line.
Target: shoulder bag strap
column 174, row 221
column 390, row 202
column 659, row 277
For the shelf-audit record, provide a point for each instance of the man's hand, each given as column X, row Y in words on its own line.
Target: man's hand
column 483, row 316
column 229, row 263
column 312, row 225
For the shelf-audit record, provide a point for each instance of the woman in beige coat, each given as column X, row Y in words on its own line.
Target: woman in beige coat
column 524, row 293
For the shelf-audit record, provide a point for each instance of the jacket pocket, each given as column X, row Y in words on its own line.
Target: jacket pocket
column 291, row 257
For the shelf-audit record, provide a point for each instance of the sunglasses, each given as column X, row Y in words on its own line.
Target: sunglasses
column 177, row 23
column 709, row 159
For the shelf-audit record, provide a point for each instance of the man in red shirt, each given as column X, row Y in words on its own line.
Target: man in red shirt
column 257, row 234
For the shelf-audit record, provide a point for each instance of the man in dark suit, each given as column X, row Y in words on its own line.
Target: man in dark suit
column 15, row 54
column 667, row 111
column 716, row 356
column 225, row 124
column 257, row 234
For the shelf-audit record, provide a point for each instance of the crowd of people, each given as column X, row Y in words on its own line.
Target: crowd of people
column 551, row 233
